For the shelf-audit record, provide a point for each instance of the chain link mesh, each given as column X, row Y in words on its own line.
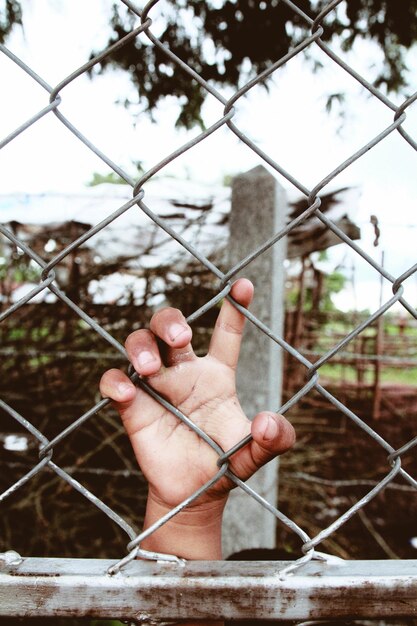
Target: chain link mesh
column 144, row 32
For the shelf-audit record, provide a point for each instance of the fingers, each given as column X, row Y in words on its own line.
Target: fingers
column 272, row 435
column 143, row 352
column 227, row 334
column 171, row 326
column 142, row 348
column 129, row 400
column 116, row 385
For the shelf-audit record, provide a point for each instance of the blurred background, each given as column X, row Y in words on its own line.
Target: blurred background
column 137, row 107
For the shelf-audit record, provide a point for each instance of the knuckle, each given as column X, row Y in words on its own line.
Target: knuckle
column 229, row 327
column 180, row 357
column 107, row 374
column 108, row 377
column 164, row 314
column 137, row 337
column 289, row 435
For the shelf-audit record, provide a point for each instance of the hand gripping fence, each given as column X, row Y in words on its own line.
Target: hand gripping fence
column 280, row 590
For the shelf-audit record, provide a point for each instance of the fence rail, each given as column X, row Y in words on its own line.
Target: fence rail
column 303, row 589
column 207, row 590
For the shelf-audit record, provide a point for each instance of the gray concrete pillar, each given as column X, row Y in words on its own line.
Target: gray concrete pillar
column 259, row 209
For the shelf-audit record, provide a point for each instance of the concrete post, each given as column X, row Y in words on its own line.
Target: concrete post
column 259, row 209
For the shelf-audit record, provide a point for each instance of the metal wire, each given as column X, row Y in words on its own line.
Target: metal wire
column 312, row 371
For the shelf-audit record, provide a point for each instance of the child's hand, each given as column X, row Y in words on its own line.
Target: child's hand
column 173, row 458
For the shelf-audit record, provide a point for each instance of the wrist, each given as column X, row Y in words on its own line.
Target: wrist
column 194, row 533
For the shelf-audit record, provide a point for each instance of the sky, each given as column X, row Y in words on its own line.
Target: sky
column 289, row 122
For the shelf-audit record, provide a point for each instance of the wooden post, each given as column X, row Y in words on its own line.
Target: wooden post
column 259, row 209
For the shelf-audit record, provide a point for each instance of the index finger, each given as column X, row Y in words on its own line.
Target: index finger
column 227, row 335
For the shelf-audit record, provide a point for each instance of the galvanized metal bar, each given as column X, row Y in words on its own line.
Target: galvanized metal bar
column 206, row 589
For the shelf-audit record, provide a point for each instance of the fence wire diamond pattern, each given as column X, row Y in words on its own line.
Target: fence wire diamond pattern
column 144, row 32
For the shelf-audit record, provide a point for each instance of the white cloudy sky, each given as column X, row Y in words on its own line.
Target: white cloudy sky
column 289, row 123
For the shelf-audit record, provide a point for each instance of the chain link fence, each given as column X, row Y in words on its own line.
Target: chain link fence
column 395, row 455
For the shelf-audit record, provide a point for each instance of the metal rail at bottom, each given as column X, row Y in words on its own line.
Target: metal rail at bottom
column 149, row 591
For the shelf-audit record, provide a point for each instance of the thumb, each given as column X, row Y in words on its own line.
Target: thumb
column 272, row 435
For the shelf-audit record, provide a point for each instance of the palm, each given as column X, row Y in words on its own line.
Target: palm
column 174, row 459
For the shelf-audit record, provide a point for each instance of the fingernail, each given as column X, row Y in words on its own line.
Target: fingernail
column 145, row 358
column 124, row 388
column 271, row 430
column 175, row 330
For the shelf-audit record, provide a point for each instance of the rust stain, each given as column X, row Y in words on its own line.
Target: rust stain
column 33, row 574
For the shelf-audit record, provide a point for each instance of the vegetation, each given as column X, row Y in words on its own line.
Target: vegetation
column 228, row 42
column 114, row 179
column 331, row 284
column 111, row 178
